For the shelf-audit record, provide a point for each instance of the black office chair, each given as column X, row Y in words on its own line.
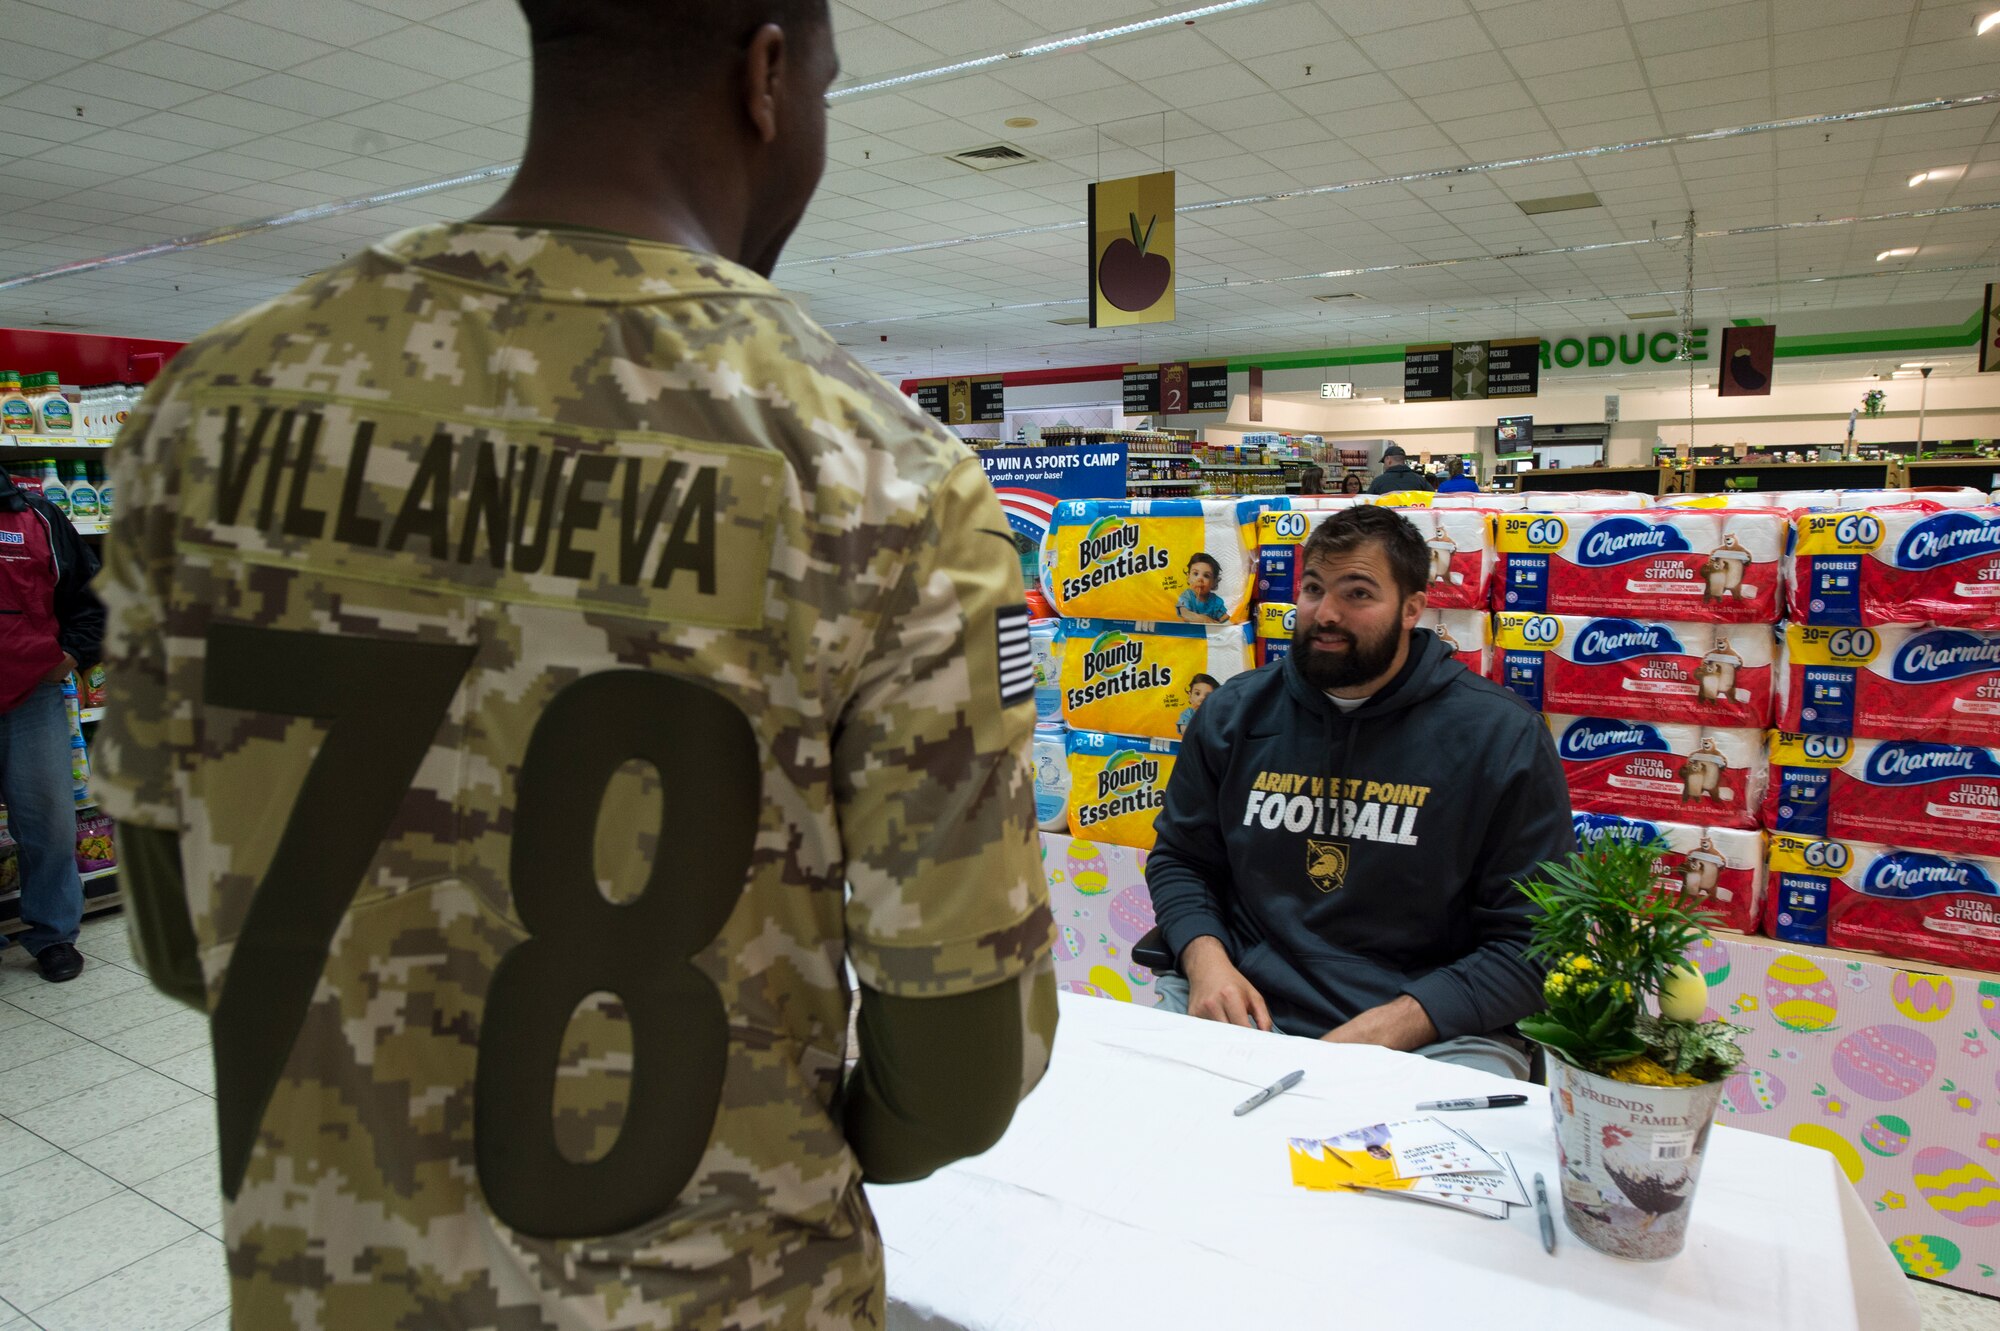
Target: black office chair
column 1151, row 951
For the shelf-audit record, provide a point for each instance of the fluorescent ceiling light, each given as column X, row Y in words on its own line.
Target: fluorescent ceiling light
column 1900, row 252
column 1042, row 48
column 1907, row 374
column 1558, row 203
column 1987, row 24
column 1918, row 365
column 1936, row 174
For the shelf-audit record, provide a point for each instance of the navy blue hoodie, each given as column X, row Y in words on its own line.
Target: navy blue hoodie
column 1449, row 794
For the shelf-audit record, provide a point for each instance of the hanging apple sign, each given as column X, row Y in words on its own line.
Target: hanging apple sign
column 1132, row 251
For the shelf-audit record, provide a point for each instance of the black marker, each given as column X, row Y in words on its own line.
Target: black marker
column 1477, row 1102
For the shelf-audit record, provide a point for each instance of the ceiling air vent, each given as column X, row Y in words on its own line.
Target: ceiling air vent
column 1558, row 203
column 1643, row 315
column 1073, row 321
column 993, row 157
column 1342, row 295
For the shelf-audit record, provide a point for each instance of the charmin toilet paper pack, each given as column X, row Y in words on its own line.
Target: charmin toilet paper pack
column 1783, row 500
column 1916, row 904
column 1151, row 560
column 1907, row 563
column 1144, row 679
column 1683, row 773
column 1941, row 797
column 1698, row 564
column 1460, row 542
column 1694, row 674
column 1117, row 786
column 1898, row 681
column 1722, row 867
column 1273, row 629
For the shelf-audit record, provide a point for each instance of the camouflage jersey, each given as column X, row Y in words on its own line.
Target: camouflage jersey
column 558, row 659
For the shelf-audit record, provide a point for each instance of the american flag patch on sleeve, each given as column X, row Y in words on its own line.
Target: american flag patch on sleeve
column 1017, row 655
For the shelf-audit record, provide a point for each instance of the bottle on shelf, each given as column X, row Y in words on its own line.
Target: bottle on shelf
column 83, row 503
column 17, row 414
column 100, row 476
column 53, row 488
column 52, row 410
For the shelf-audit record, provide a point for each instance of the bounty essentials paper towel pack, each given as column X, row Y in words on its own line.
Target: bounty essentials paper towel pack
column 1144, row 679
column 1051, row 754
column 1898, row 681
column 1942, row 797
column 1685, row 773
column 1915, row 904
column 1118, row 786
column 1151, row 560
column 1904, row 564
column 1460, row 543
column 1685, row 564
column 1695, row 674
column 1722, row 866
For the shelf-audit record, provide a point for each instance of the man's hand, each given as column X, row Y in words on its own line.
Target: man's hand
column 1217, row 991
column 61, row 672
column 1401, row 1024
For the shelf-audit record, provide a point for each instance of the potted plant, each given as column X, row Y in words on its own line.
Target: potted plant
column 1872, row 401
column 1635, row 1074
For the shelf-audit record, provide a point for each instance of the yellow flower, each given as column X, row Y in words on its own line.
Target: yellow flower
column 1580, row 963
column 1893, row 1200
column 1556, row 983
column 1746, row 1003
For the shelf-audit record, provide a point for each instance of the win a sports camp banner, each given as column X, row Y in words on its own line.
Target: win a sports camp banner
column 1032, row 481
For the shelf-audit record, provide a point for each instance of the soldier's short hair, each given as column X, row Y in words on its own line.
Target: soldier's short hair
column 1404, row 546
column 673, row 37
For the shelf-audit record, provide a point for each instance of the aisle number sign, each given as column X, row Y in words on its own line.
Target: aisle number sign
column 962, row 401
column 1132, row 257
column 1179, row 389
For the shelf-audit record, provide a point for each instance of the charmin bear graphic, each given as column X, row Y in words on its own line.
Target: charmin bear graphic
column 1718, row 672
column 1443, row 549
column 1702, row 870
column 1701, row 774
column 1722, row 575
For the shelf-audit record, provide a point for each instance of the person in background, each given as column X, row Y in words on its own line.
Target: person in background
column 1352, row 484
column 1312, row 480
column 1456, row 481
column 51, row 623
column 360, row 734
column 1397, row 473
column 1347, row 829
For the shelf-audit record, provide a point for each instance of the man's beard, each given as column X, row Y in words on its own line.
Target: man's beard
column 1363, row 660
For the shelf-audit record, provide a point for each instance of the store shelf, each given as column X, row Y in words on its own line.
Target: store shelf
column 1140, row 457
column 96, row 874
column 91, row 527
column 42, row 442
column 1239, row 466
column 90, row 714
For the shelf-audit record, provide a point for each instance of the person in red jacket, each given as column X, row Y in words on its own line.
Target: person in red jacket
column 50, row 624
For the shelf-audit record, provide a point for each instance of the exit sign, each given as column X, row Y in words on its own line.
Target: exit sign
column 1336, row 390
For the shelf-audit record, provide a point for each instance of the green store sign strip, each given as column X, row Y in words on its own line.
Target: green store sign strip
column 1657, row 347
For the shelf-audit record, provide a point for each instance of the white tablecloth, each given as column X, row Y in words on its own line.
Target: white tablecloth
column 1127, row 1195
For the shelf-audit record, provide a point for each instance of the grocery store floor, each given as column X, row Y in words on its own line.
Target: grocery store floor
column 109, row 1218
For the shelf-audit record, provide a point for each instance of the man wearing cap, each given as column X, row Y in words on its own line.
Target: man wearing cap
column 1397, row 473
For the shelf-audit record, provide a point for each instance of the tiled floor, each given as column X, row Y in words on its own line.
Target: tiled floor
column 109, row 1215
